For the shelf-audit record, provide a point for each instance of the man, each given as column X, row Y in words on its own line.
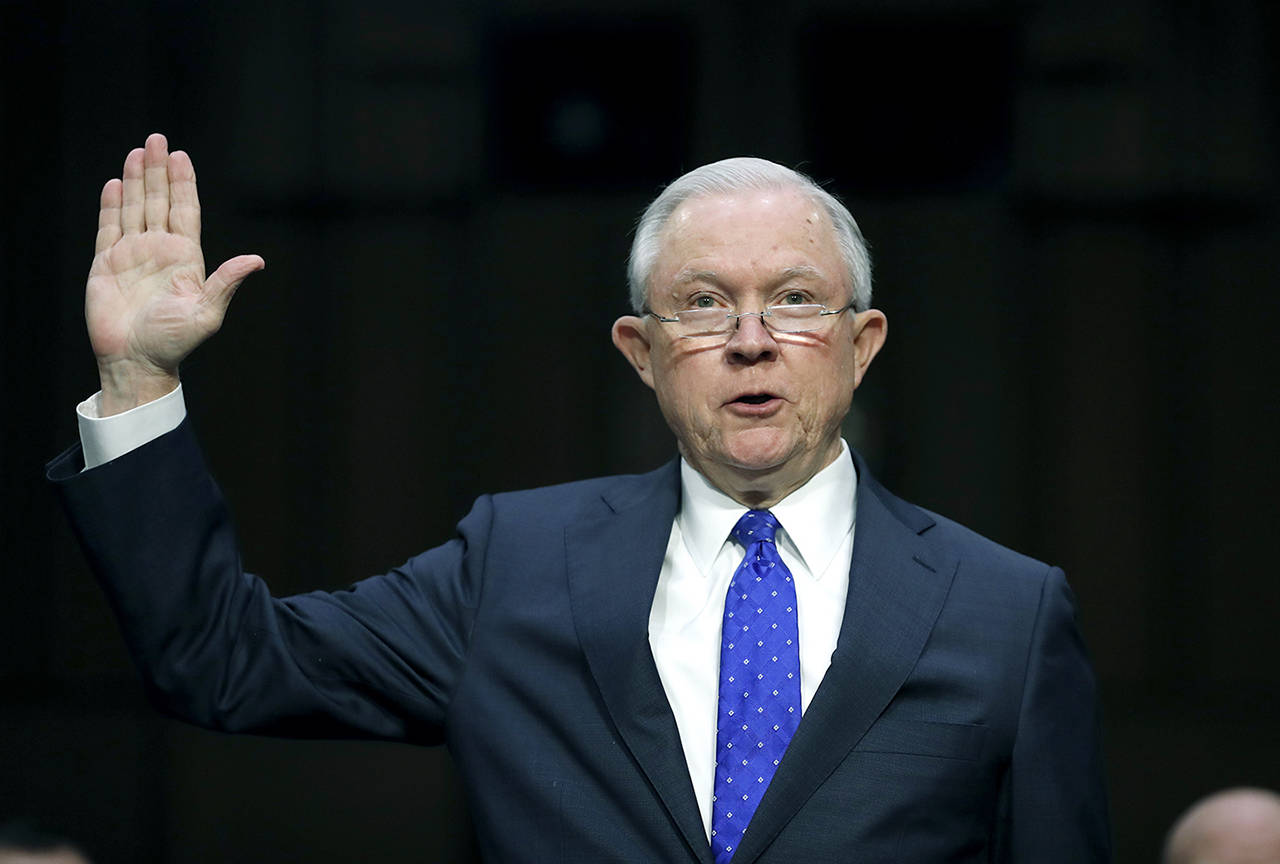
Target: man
column 753, row 653
column 1235, row 826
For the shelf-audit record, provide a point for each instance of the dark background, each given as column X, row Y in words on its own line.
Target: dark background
column 1073, row 212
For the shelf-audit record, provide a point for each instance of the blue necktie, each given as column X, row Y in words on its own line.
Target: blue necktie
column 759, row 681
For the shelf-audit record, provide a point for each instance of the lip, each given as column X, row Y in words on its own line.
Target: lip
column 767, row 408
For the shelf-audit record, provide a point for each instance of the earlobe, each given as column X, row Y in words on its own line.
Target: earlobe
column 632, row 340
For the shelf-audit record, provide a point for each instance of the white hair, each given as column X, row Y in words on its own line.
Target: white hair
column 740, row 174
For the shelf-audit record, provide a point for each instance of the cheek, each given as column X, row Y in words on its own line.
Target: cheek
column 833, row 388
column 679, row 396
column 684, row 377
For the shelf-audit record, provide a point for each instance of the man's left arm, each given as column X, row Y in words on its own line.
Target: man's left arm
column 1054, row 801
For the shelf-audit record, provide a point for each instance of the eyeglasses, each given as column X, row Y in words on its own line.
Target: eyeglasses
column 787, row 318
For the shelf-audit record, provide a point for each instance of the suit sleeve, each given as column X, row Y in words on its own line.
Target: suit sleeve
column 1054, row 801
column 378, row 660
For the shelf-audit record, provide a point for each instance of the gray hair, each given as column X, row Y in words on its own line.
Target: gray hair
column 741, row 174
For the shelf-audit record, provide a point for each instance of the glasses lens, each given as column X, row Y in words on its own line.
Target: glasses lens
column 790, row 318
column 794, row 318
column 704, row 322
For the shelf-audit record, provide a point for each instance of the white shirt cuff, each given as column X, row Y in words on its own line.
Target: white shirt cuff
column 105, row 438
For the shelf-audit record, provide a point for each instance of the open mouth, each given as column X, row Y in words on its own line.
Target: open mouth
column 754, row 398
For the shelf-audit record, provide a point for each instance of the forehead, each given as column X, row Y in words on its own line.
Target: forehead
column 748, row 236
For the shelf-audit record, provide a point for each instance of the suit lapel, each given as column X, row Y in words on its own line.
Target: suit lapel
column 897, row 586
column 614, row 558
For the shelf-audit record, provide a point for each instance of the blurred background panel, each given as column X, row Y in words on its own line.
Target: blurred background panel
column 1073, row 213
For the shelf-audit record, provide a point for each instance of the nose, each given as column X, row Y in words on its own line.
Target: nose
column 751, row 341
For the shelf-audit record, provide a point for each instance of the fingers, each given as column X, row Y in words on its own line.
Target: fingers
column 131, row 216
column 157, row 192
column 221, row 286
column 155, row 169
column 184, row 202
column 109, row 216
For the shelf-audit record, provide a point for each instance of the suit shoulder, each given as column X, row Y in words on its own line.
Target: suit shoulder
column 565, row 501
column 967, row 543
column 988, row 573
column 975, row 552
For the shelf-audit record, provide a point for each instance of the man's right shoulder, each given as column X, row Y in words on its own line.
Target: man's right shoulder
column 616, row 492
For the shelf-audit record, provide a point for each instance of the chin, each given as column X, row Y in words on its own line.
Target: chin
column 759, row 449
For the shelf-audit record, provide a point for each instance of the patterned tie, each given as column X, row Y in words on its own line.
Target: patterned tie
column 759, row 681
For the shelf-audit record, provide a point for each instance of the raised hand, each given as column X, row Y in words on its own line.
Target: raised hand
column 147, row 302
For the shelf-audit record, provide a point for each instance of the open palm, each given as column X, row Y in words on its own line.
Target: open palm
column 147, row 301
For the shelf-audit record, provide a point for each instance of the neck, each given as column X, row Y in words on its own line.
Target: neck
column 760, row 489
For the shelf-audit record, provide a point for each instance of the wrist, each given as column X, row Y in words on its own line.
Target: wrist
column 127, row 385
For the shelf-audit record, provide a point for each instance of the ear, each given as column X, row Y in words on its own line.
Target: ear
column 632, row 339
column 871, row 329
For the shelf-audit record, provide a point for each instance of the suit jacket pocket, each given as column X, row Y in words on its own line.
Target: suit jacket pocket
column 924, row 738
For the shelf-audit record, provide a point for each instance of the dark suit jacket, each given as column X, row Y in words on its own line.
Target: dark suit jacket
column 957, row 721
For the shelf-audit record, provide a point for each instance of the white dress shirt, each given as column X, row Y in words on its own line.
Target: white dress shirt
column 815, row 541
column 105, row 438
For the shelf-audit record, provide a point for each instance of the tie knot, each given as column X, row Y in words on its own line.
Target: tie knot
column 754, row 526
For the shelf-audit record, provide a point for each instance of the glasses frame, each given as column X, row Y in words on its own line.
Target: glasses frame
column 763, row 315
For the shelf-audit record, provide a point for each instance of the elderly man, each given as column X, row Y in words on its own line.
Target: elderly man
column 754, row 653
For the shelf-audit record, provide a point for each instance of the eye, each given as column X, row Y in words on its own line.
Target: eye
column 792, row 298
column 703, row 301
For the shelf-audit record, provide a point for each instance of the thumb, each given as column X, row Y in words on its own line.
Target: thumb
column 221, row 286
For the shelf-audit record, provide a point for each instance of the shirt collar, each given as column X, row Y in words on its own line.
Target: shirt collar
column 815, row 518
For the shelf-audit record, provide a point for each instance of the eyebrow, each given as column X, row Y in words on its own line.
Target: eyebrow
column 684, row 277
